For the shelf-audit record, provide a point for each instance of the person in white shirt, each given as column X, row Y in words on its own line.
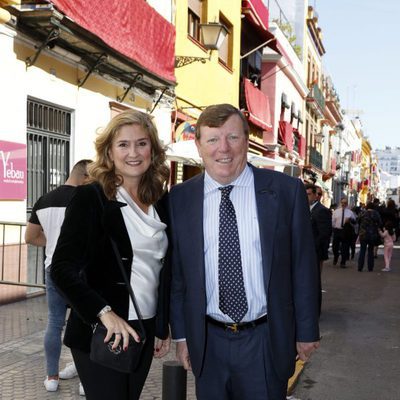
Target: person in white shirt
column 341, row 240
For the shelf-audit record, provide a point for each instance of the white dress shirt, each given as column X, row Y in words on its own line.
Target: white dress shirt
column 337, row 217
column 149, row 245
column 244, row 201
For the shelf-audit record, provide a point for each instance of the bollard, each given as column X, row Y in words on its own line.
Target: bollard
column 173, row 381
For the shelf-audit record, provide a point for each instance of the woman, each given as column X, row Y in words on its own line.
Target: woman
column 369, row 223
column 131, row 176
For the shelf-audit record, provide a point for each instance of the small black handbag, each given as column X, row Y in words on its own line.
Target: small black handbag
column 118, row 359
column 103, row 353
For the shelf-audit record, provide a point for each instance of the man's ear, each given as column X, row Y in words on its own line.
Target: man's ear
column 197, row 142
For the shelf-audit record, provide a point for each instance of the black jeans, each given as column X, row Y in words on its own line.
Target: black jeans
column 364, row 244
column 101, row 383
column 340, row 245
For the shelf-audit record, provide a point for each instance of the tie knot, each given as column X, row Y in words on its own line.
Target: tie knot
column 226, row 191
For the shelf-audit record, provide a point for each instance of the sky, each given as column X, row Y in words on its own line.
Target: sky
column 362, row 43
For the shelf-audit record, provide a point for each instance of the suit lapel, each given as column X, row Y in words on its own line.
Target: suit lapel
column 195, row 222
column 267, row 201
column 114, row 226
column 189, row 224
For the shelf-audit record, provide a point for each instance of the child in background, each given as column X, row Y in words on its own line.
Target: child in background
column 388, row 237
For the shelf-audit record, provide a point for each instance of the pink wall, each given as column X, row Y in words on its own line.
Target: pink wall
column 268, row 87
column 12, row 171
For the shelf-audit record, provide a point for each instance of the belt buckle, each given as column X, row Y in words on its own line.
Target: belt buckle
column 233, row 327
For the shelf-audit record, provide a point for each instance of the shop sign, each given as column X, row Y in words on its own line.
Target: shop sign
column 186, row 131
column 12, row 171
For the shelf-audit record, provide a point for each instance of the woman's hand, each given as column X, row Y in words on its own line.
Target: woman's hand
column 161, row 347
column 118, row 327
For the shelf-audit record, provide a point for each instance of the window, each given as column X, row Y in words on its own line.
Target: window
column 225, row 51
column 48, row 136
column 195, row 16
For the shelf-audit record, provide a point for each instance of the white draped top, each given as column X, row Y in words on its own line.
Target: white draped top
column 149, row 245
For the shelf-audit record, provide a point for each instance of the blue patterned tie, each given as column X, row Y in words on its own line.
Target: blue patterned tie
column 232, row 294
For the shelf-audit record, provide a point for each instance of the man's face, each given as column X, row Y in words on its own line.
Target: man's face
column 312, row 197
column 224, row 150
column 343, row 203
column 319, row 194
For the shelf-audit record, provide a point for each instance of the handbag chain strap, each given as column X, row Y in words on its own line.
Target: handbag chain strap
column 124, row 275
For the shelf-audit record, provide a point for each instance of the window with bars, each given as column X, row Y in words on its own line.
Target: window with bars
column 48, row 142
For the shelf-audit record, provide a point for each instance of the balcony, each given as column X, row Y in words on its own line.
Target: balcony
column 315, row 158
column 315, row 99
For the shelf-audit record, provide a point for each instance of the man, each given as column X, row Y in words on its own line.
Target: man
column 321, row 222
column 245, row 283
column 341, row 237
column 319, row 193
column 42, row 230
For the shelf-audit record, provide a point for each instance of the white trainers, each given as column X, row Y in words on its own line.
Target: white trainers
column 81, row 390
column 68, row 372
column 386, row 269
column 51, row 385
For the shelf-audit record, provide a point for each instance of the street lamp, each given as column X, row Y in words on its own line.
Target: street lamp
column 213, row 34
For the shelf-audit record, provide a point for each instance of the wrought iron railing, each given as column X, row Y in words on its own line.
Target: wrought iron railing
column 20, row 264
column 315, row 158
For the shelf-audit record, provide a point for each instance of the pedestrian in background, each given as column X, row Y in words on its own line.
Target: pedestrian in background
column 43, row 230
column 390, row 214
column 319, row 193
column 321, row 222
column 388, row 236
column 244, row 296
column 123, row 203
column 356, row 211
column 341, row 238
column 370, row 222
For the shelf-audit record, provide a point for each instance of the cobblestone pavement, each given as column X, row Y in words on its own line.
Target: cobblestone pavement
column 22, row 365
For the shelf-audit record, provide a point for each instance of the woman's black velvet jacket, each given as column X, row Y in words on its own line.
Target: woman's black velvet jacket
column 85, row 270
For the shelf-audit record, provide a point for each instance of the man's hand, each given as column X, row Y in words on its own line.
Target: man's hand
column 304, row 350
column 182, row 355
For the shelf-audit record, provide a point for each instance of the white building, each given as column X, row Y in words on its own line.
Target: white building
column 389, row 160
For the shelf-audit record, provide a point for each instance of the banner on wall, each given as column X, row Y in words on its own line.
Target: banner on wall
column 12, row 171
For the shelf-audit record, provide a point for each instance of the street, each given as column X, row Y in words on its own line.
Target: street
column 358, row 358
column 360, row 327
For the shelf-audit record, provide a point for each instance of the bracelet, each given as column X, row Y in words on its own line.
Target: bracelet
column 103, row 311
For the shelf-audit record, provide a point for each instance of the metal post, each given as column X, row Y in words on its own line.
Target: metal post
column 174, row 380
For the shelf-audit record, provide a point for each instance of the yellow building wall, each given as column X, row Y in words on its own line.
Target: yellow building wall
column 211, row 82
column 365, row 170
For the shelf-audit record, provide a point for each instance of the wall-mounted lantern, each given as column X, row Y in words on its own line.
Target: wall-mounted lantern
column 213, row 35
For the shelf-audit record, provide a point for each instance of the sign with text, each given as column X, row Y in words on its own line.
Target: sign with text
column 12, row 171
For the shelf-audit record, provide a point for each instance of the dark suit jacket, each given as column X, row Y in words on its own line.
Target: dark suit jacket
column 288, row 259
column 85, row 270
column 321, row 221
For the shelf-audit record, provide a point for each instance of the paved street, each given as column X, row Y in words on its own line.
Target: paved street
column 22, row 368
column 358, row 358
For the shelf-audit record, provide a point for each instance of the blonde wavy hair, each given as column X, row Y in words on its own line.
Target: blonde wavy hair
column 154, row 181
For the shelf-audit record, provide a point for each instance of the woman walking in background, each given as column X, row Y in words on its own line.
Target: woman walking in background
column 388, row 236
column 370, row 222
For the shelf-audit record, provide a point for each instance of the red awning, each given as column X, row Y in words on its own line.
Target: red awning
column 258, row 15
column 257, row 106
column 131, row 27
column 286, row 134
